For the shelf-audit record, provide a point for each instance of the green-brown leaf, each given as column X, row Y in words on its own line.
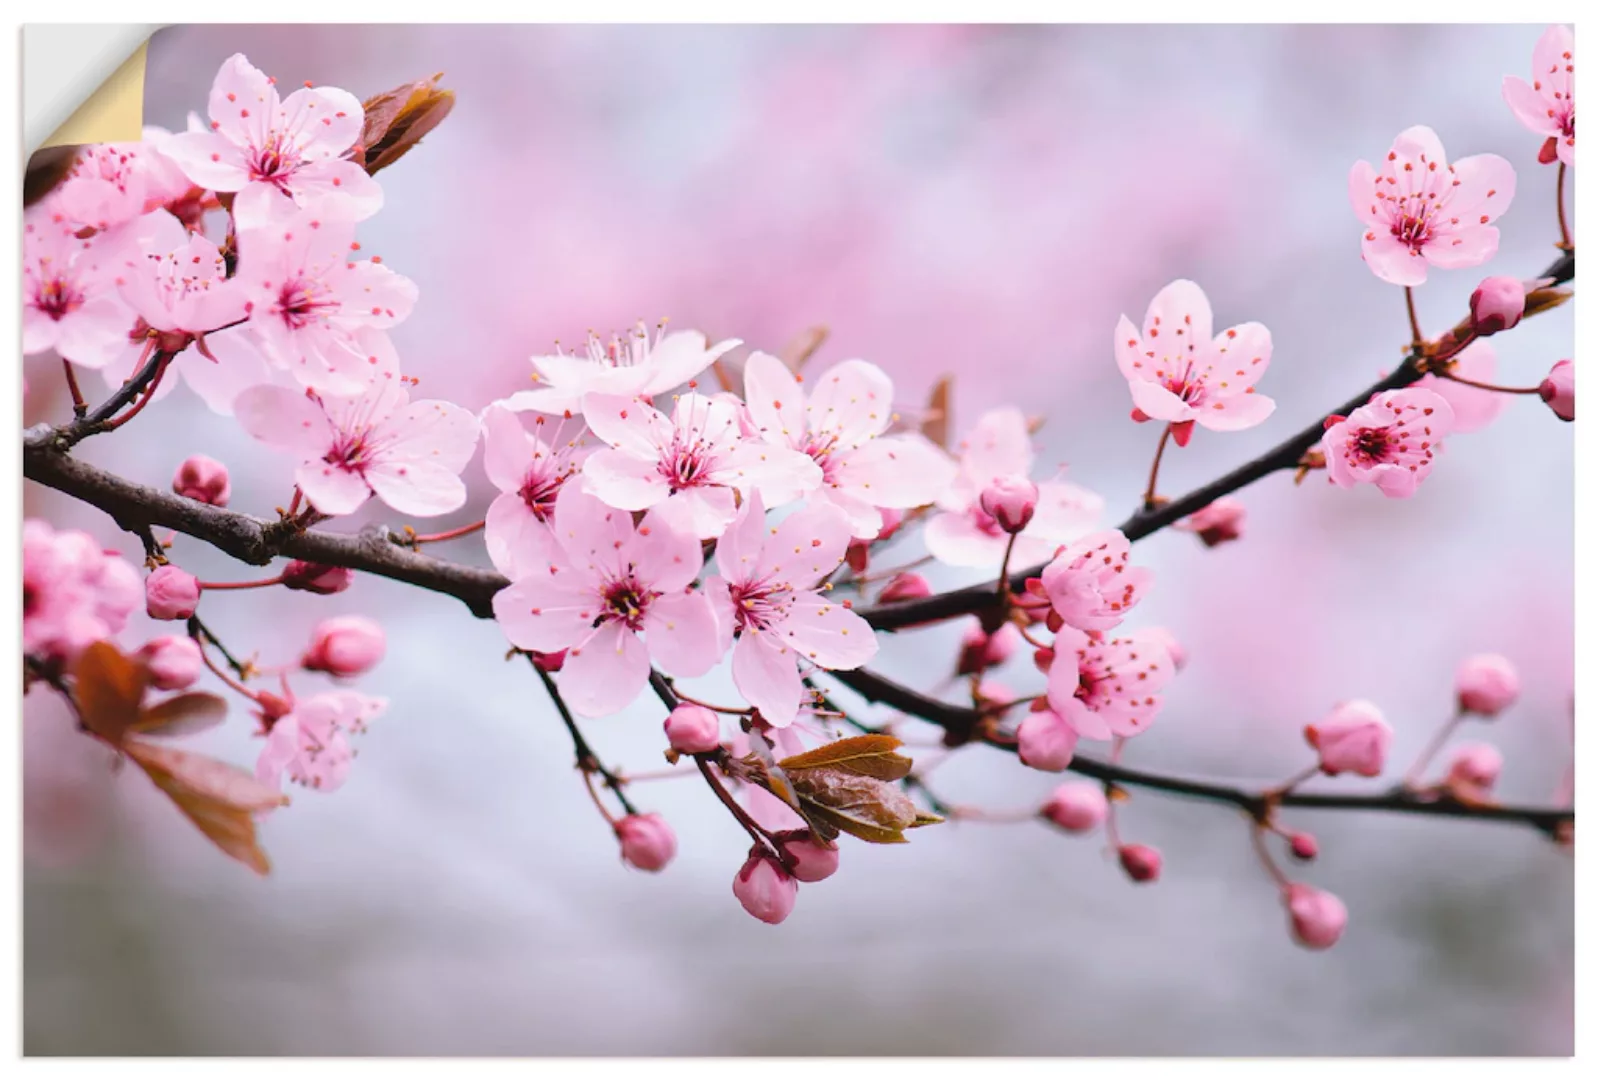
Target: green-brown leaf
column 862, row 755
column 866, row 808
column 109, row 690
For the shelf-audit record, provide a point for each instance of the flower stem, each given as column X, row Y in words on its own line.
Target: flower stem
column 1444, row 373
column 149, row 393
column 750, row 826
column 587, row 761
column 449, row 534
column 1004, row 574
column 1559, row 202
column 1416, row 338
column 1436, row 744
column 80, row 408
column 1154, row 470
column 1258, row 833
column 210, row 586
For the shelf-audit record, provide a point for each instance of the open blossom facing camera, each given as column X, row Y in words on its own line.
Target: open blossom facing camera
column 766, row 591
column 309, row 304
column 113, row 183
column 840, row 422
column 70, row 297
column 73, row 592
column 409, row 453
column 1548, row 105
column 966, row 535
column 1392, row 442
column 273, row 151
column 1182, row 372
column 529, row 468
column 1107, row 688
column 311, row 742
column 1420, row 211
column 1089, row 584
column 633, row 365
column 698, row 458
column 606, row 584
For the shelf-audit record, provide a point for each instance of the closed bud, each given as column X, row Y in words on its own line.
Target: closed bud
column 1303, row 846
column 764, row 888
column 1559, row 390
column 647, row 842
column 1217, row 523
column 1497, row 304
column 549, row 661
column 693, row 729
column 1475, row 768
column 1486, row 684
column 1141, row 862
column 204, row 480
column 808, row 860
column 173, row 662
column 905, row 586
column 345, row 646
column 1045, row 741
column 171, row 593
column 1317, row 917
column 1011, row 501
column 1354, row 738
column 316, row 578
column 980, row 650
column 1078, row 806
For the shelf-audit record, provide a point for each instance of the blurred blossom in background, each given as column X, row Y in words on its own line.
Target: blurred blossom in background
column 981, row 201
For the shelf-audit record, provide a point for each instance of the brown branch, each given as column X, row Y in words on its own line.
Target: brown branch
column 587, row 760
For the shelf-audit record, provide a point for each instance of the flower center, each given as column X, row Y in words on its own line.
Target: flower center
column 686, row 465
column 1371, row 446
column 627, row 601
column 274, row 162
column 539, row 490
column 58, row 298
column 760, row 605
column 349, row 451
column 299, row 303
column 1413, row 229
column 820, row 447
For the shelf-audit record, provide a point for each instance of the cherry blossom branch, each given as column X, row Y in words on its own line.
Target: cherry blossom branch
column 587, row 760
column 1287, row 454
column 80, row 407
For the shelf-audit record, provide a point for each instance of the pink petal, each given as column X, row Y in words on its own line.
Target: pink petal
column 999, row 446
column 1548, row 59
column 767, row 675
column 93, row 335
column 382, row 297
column 1462, row 249
column 895, row 471
column 1131, row 355
column 1486, row 188
column 1420, row 144
column 1529, row 107
column 738, row 550
column 852, row 400
column 606, row 673
column 665, row 551
column 705, row 511
column 243, row 102
column 1362, row 187
column 592, row 534
column 955, row 539
column 679, row 357
column 806, row 546
column 285, row 419
column 1178, row 320
column 518, row 543
column 238, row 366
column 1391, row 260
column 282, row 746
column 324, row 121
column 212, row 162
column 547, row 611
column 780, row 475
column 776, row 399
column 1158, row 402
column 827, row 634
column 507, row 448
column 260, row 205
column 439, row 432
column 331, row 488
column 683, row 635
column 343, row 180
column 1235, row 413
column 1065, row 511
column 1238, row 357
column 1473, row 409
column 625, row 481
column 633, row 427
column 419, row 488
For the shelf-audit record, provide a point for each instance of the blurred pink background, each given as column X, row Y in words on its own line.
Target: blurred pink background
column 982, row 201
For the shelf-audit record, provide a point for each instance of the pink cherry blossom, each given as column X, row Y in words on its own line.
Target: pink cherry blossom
column 1486, row 684
column 764, row 888
column 528, row 468
column 840, row 422
column 1497, row 304
column 1420, row 210
column 1548, row 105
column 73, row 592
column 170, row 592
column 1353, row 738
column 1181, row 372
column 1011, row 501
column 1107, row 688
column 176, row 280
column 1219, row 522
column 409, row 453
column 693, row 729
column 1391, row 442
column 230, row 363
column 1317, row 917
column 345, row 646
column 308, row 303
column 1078, row 806
column 311, row 742
column 70, row 297
column 173, row 662
column 615, row 598
column 1089, row 584
column 112, row 183
column 267, row 148
column 1046, row 741
column 765, row 591
column 1473, row 407
column 966, row 535
column 630, row 366
column 698, row 458
column 1558, row 390
column 203, row 479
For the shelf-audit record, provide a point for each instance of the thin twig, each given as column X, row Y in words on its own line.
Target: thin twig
column 587, row 760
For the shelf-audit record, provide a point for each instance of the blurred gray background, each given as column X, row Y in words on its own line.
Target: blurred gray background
column 984, row 201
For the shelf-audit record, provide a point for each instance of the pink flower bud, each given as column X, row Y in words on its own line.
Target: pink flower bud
column 1011, row 501
column 764, row 888
column 1354, row 738
column 1475, row 767
column 1486, row 684
column 1141, row 862
column 171, row 593
column 647, row 842
column 1173, row 648
column 891, row 520
column 810, row 860
column 550, row 661
column 1497, row 304
column 346, row 646
column 1046, row 741
column 1215, row 524
column 1318, row 917
column 1559, row 390
column 905, row 586
column 1078, row 806
column 204, row 480
column 980, row 650
column 173, row 662
column 316, row 578
column 858, row 555
column 693, row 729
column 1303, row 846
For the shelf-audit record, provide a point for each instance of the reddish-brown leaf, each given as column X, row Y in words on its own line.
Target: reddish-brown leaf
column 803, row 346
column 220, row 799
column 397, row 119
column 861, row 806
column 109, row 689
column 935, row 421
column 862, row 755
column 184, row 714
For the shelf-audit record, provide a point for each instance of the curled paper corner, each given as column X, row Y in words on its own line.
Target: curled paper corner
column 113, row 113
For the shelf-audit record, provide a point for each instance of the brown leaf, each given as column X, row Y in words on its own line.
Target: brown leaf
column 109, row 690
column 46, row 169
column 184, row 714
column 862, row 755
column 1540, row 300
column 935, row 422
column 861, row 806
column 803, row 346
column 220, row 799
column 397, row 119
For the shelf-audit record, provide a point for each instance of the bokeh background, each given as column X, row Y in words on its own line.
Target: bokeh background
column 971, row 200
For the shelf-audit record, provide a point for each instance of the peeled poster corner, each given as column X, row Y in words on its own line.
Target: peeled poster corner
column 112, row 112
